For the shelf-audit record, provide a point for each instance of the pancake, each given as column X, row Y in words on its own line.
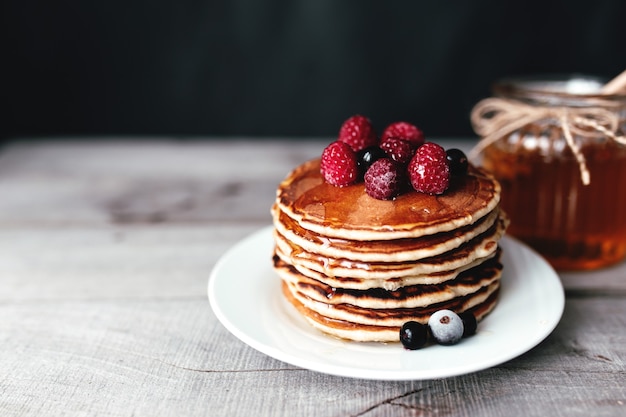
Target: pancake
column 396, row 250
column 358, row 268
column 479, row 247
column 390, row 284
column 349, row 213
column 407, row 297
column 360, row 332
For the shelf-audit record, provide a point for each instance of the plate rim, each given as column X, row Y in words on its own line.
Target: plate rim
column 363, row 373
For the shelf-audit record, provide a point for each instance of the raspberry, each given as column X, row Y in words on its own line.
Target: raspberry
column 358, row 132
column 397, row 149
column 339, row 165
column 383, row 179
column 406, row 131
column 428, row 170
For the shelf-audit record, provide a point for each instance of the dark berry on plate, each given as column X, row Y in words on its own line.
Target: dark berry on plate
column 404, row 130
column 469, row 323
column 367, row 156
column 397, row 149
column 457, row 161
column 338, row 165
column 383, row 179
column 358, row 132
column 413, row 335
column 446, row 327
column 428, row 170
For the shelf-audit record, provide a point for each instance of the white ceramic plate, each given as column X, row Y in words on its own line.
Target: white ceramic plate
column 245, row 295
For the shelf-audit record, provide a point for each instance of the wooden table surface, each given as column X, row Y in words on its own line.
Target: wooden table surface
column 106, row 247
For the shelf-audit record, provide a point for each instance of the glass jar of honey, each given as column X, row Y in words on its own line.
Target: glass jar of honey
column 558, row 149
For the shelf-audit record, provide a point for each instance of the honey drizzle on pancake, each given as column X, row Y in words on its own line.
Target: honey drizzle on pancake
column 307, row 198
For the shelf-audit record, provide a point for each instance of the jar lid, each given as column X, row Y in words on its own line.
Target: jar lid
column 572, row 89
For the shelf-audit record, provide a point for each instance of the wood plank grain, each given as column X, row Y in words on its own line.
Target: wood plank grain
column 610, row 280
column 121, row 261
column 167, row 357
column 109, row 182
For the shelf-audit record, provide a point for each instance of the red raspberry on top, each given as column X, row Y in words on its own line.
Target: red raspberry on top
column 428, row 170
column 358, row 132
column 383, row 179
column 397, row 149
column 406, row 131
column 339, row 165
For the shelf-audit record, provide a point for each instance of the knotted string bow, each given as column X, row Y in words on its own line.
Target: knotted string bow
column 495, row 118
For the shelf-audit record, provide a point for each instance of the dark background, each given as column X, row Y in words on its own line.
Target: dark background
column 278, row 68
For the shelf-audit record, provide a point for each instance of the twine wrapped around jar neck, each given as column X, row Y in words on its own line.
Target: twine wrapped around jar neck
column 494, row 118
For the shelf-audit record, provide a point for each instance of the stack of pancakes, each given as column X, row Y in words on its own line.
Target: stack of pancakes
column 358, row 268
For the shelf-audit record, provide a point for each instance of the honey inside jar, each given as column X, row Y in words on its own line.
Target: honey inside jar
column 566, row 197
